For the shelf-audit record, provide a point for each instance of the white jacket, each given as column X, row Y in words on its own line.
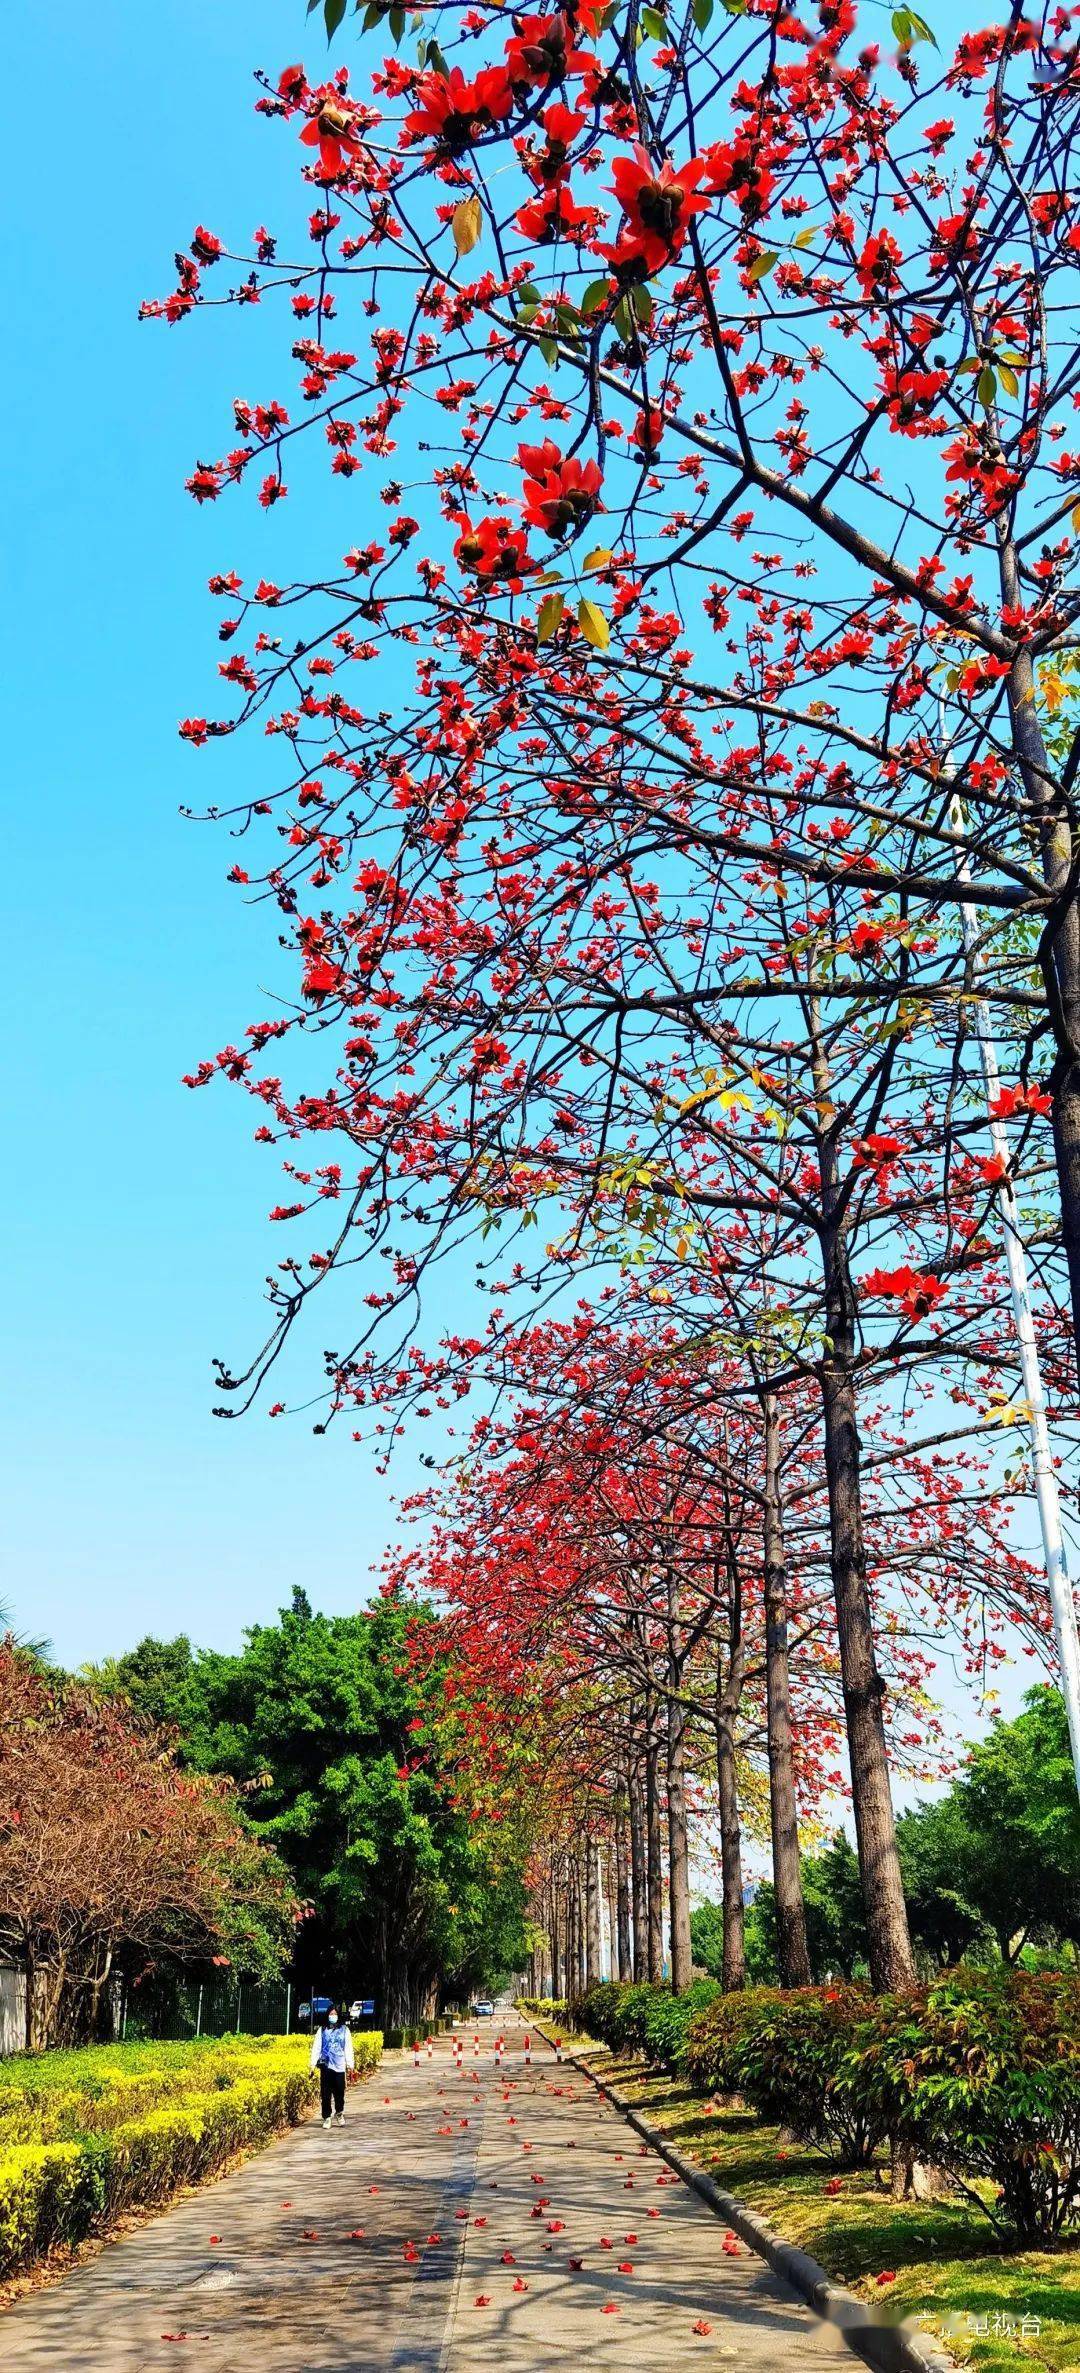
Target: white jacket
column 316, row 2046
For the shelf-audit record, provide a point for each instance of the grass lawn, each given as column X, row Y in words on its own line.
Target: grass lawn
column 948, row 2273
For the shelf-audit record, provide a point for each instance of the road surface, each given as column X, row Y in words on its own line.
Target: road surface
column 496, row 2219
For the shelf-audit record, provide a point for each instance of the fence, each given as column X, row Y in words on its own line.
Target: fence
column 174, row 2009
column 12, row 2010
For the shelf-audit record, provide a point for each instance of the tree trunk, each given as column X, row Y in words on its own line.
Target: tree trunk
column 892, row 1964
column 729, row 1689
column 655, row 1864
column 1060, row 955
column 678, row 1854
column 592, row 1915
column 28, row 2000
column 638, row 1868
column 734, row 1970
column 622, row 1892
column 783, row 1816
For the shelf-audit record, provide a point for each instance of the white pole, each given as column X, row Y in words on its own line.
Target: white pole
column 1042, row 1460
column 198, row 2015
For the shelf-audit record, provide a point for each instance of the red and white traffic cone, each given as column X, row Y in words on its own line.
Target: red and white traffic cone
column 476, row 2047
column 528, row 2051
column 558, row 2048
column 429, row 2050
column 416, row 2055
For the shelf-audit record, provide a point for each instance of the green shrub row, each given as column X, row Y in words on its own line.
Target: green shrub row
column 55, row 2097
column 649, row 2020
column 57, row 2191
column 977, row 2072
column 396, row 2038
column 542, row 2006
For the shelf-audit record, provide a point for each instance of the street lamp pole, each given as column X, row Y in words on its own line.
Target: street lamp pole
column 1042, row 1459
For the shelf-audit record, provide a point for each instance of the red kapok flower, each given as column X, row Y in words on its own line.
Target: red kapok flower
column 332, row 130
column 561, row 494
column 494, row 550
column 657, row 205
column 916, row 1293
column 455, row 113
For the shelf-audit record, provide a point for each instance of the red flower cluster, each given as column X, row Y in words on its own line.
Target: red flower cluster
column 916, row 1294
column 658, row 207
column 455, row 113
column 561, row 494
column 332, row 130
column 494, row 550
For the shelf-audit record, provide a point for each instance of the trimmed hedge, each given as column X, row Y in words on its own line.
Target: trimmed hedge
column 980, row 2073
column 396, row 2039
column 542, row 2006
column 618, row 2014
column 977, row 2073
column 236, row 2096
column 786, row 2054
column 646, row 2019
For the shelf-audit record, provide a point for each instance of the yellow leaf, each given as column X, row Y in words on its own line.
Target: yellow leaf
column 467, row 224
column 807, row 235
column 551, row 610
column 597, row 559
column 593, row 624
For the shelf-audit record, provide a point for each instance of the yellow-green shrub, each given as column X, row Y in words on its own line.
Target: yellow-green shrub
column 44, row 2198
column 237, row 2094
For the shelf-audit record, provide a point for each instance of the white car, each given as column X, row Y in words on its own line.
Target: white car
column 483, row 2010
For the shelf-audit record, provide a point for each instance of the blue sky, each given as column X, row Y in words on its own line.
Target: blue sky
column 134, row 1220
column 134, row 1211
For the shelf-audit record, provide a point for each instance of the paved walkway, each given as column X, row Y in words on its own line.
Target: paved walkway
column 487, row 2221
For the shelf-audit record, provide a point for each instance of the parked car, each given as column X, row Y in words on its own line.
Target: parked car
column 483, row 2010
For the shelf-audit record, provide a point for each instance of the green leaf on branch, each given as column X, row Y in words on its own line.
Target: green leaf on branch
column 654, row 24
column 596, row 296
column 643, row 305
column 762, row 264
column 702, row 11
column 333, row 11
column 986, row 388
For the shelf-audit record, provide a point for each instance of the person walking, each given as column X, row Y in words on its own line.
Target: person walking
column 332, row 2054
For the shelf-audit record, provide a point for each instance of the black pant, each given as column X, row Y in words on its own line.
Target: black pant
column 332, row 2089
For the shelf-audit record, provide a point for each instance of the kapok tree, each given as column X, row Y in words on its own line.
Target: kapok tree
column 808, row 268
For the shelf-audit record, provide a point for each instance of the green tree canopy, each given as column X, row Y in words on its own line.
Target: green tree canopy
column 319, row 1721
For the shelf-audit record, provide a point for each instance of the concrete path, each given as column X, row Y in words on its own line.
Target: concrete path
column 492, row 2220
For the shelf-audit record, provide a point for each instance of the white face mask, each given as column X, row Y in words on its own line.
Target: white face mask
column 332, row 2020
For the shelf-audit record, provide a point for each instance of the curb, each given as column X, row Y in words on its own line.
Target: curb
column 888, row 2348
